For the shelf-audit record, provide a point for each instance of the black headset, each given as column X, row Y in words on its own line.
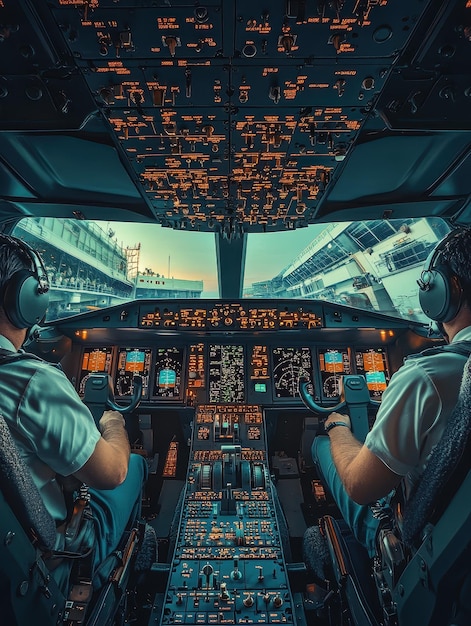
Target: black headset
column 25, row 295
column 440, row 289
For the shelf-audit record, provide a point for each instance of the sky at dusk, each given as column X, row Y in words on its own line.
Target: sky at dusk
column 191, row 255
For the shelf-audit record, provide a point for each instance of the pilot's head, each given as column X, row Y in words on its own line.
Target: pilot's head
column 445, row 282
column 23, row 283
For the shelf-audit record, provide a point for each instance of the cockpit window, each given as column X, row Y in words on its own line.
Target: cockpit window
column 370, row 265
column 92, row 265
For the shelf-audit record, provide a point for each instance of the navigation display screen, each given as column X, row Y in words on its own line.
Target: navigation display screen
column 372, row 363
column 168, row 373
column 132, row 362
column 289, row 365
column 333, row 364
column 94, row 360
column 226, row 374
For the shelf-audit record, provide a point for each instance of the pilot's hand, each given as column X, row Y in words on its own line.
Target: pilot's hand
column 111, row 419
column 338, row 417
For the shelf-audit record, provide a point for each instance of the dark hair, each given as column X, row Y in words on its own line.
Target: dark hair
column 12, row 259
column 456, row 254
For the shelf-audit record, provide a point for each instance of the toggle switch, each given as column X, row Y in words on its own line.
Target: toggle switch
column 287, row 41
column 171, row 43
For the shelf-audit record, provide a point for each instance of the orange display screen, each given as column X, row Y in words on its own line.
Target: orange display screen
column 372, row 363
column 94, row 361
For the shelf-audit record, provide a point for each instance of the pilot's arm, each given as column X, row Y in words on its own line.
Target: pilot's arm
column 365, row 477
column 409, row 411
column 108, row 465
column 63, row 433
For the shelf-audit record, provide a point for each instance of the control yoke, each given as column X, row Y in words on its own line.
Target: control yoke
column 356, row 401
column 99, row 395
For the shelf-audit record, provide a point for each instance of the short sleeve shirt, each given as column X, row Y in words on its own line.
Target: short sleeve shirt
column 414, row 410
column 54, row 431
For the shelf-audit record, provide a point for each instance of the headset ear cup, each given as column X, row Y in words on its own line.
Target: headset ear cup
column 440, row 289
column 440, row 298
column 23, row 303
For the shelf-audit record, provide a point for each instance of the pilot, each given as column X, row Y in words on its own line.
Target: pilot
column 54, row 431
column 414, row 408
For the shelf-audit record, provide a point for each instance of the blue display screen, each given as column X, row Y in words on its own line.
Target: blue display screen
column 375, row 378
column 333, row 357
column 167, row 378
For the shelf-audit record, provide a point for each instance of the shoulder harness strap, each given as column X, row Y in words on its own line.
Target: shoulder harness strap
column 7, row 356
column 459, row 347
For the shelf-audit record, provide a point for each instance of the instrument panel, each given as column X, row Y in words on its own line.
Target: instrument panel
column 226, row 352
column 223, row 372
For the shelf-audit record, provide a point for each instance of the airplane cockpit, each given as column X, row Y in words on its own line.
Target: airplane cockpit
column 306, row 159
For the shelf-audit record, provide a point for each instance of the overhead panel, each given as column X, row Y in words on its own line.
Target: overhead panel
column 234, row 115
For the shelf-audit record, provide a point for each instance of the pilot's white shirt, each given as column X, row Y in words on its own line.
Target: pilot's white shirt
column 414, row 409
column 54, row 431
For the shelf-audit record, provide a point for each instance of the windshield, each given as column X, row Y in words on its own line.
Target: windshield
column 371, row 265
